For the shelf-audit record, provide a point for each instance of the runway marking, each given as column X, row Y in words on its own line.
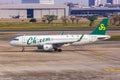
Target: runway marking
column 100, row 55
column 112, row 69
column 108, row 57
column 103, row 56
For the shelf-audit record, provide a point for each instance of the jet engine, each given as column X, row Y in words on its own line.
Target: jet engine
column 47, row 47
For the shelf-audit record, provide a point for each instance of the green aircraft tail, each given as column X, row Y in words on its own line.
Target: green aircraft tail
column 101, row 28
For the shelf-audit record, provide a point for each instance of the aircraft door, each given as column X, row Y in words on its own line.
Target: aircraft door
column 23, row 41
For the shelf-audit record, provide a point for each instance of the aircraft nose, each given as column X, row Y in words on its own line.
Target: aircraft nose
column 13, row 43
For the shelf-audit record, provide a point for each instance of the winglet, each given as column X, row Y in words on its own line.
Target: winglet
column 101, row 27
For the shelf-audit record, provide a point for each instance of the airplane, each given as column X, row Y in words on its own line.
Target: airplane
column 56, row 42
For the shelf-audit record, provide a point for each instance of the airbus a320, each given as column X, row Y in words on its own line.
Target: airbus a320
column 56, row 42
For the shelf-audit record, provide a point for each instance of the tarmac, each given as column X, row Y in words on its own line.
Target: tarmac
column 99, row 61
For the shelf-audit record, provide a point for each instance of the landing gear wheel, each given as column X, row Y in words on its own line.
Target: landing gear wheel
column 59, row 50
column 55, row 49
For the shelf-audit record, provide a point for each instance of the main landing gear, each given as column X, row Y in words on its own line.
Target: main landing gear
column 56, row 49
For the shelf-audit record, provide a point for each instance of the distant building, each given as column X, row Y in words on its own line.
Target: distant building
column 47, row 1
column 95, row 2
column 112, row 5
column 98, row 11
column 30, row 1
column 110, row 1
column 98, row 2
column 32, row 10
column 39, row 1
column 91, row 2
column 116, row 2
column 113, row 1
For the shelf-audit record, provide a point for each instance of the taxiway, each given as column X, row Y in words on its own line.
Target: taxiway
column 99, row 61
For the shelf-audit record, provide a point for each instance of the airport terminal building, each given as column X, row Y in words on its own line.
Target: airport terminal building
column 32, row 10
column 98, row 11
column 39, row 10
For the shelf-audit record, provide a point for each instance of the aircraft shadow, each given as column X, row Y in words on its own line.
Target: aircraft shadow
column 48, row 51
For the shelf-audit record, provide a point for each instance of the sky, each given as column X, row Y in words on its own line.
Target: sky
column 85, row 2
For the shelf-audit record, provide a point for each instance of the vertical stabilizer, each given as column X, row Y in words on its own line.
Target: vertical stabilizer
column 101, row 28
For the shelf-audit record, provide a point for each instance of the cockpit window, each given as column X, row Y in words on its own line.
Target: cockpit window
column 16, row 39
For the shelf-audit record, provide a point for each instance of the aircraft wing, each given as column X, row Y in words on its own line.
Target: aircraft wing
column 66, row 43
column 62, row 44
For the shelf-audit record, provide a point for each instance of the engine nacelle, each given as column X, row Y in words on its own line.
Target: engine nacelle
column 47, row 47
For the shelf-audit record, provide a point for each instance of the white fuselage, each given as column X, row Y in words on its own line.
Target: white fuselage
column 40, row 40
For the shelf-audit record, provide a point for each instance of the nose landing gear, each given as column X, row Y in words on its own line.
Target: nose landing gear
column 23, row 49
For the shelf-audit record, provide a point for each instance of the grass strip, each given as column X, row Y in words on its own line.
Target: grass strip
column 114, row 38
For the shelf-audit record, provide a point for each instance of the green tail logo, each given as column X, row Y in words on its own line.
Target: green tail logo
column 101, row 28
